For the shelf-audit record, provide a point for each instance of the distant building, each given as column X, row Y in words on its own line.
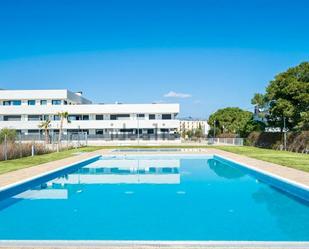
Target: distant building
column 24, row 110
column 190, row 124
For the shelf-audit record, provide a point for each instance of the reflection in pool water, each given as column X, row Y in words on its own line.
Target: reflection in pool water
column 154, row 198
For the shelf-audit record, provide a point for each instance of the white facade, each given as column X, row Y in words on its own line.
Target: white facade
column 24, row 110
column 190, row 125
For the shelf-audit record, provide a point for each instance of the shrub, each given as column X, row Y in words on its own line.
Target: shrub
column 15, row 150
column 296, row 141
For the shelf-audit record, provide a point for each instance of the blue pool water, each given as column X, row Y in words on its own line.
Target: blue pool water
column 154, row 198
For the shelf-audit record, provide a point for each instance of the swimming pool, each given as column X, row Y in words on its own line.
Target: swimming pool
column 155, row 197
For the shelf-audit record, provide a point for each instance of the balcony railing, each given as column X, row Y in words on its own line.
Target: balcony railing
column 81, row 136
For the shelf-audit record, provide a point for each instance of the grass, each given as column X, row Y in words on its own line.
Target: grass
column 285, row 158
column 25, row 162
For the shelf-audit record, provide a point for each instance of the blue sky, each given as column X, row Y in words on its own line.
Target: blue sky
column 204, row 55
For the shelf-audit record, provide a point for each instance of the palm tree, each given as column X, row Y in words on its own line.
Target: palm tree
column 64, row 116
column 45, row 125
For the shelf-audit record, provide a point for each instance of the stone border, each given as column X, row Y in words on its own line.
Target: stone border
column 148, row 244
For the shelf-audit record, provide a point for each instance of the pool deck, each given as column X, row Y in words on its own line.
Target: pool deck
column 293, row 175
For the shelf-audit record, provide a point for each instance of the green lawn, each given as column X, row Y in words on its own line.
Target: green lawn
column 289, row 159
column 11, row 165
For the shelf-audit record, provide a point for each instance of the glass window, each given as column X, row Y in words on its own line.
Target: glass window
column 150, row 131
column 99, row 117
column 12, row 118
column 56, row 102
column 140, row 116
column 34, row 117
column 99, row 132
column 16, row 102
column 166, row 116
column 33, row 131
column 7, row 102
column 31, row 102
column 152, row 116
column 56, row 117
column 73, row 117
column 43, row 102
column 120, row 116
column 85, row 117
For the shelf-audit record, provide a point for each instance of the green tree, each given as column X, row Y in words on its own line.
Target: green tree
column 198, row 132
column 231, row 120
column 45, row 125
column 287, row 96
column 189, row 134
column 10, row 135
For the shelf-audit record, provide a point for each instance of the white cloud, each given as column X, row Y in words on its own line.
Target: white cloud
column 173, row 94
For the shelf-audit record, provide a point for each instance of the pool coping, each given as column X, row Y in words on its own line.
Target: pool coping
column 271, row 175
column 150, row 244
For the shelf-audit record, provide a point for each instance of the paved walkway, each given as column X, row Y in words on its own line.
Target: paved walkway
column 23, row 174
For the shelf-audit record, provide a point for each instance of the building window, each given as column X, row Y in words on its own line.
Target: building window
column 33, row 131
column 12, row 118
column 120, row 116
column 43, row 102
column 7, row 102
column 78, row 117
column 56, row 117
column 166, row 116
column 126, row 131
column 56, row 102
column 99, row 117
column 152, row 116
column 12, row 102
column 99, row 132
column 31, row 102
column 16, row 102
column 150, row 131
column 141, row 116
column 164, row 130
column 34, row 117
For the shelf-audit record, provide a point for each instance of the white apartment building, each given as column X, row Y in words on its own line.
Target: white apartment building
column 192, row 124
column 24, row 111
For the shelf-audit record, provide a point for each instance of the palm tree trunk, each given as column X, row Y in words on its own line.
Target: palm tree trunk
column 46, row 137
column 60, row 133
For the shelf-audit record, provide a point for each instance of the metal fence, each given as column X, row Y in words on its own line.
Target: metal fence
column 216, row 141
column 226, row 141
column 83, row 137
column 133, row 137
column 36, row 144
